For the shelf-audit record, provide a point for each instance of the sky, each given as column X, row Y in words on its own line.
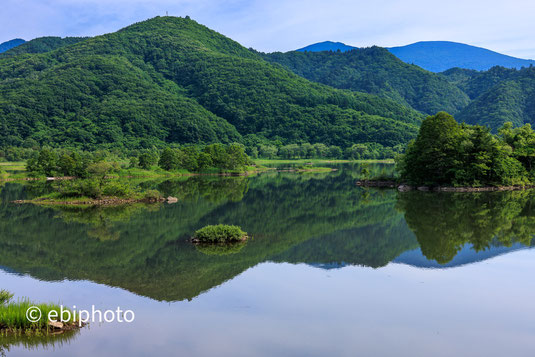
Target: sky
column 284, row 25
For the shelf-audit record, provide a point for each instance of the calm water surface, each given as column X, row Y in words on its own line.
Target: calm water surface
column 332, row 269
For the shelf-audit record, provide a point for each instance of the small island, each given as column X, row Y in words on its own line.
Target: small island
column 448, row 156
column 219, row 234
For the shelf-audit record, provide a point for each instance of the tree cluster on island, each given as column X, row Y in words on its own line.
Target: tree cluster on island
column 448, row 153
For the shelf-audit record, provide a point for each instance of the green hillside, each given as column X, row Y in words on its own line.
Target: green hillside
column 475, row 83
column 501, row 95
column 171, row 80
column 375, row 70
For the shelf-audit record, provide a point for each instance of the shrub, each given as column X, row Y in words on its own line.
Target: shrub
column 79, row 188
column 117, row 189
column 219, row 234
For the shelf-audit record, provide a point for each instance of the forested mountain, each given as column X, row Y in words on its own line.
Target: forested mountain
column 374, row 70
column 498, row 95
column 438, row 56
column 42, row 45
column 172, row 80
column 10, row 44
column 474, row 83
column 512, row 99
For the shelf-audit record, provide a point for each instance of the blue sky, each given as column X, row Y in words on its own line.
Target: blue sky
column 271, row 25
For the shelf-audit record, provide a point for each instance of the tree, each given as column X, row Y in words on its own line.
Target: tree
column 146, row 160
column 236, row 157
column 433, row 157
column 189, row 158
column 169, row 159
column 204, row 161
column 218, row 153
column 67, row 165
column 446, row 153
column 100, row 170
column 320, row 150
column 268, row 151
column 335, row 152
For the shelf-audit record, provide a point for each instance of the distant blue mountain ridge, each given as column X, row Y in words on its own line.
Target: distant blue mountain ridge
column 438, row 56
column 327, row 46
column 6, row 46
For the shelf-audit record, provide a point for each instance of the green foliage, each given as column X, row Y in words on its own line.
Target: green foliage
column 219, row 156
column 101, row 169
column 95, row 188
column 363, row 151
column 50, row 162
column 146, row 160
column 13, row 316
column 219, row 234
column 169, row 159
column 5, row 297
column 171, row 80
column 79, row 188
column 446, row 153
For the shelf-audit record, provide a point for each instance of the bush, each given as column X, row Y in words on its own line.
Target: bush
column 79, row 188
column 219, row 234
column 118, row 189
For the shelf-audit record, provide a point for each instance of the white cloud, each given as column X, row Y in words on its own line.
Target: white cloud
column 288, row 24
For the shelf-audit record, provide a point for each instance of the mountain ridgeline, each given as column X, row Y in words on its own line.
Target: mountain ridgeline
column 489, row 98
column 439, row 56
column 171, row 80
column 499, row 95
column 375, row 70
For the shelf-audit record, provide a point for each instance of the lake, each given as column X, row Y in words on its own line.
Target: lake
column 331, row 269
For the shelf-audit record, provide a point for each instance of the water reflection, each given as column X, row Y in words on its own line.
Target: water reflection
column 36, row 343
column 323, row 220
column 444, row 223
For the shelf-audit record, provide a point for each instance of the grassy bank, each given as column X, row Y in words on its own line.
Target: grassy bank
column 14, row 318
column 17, row 171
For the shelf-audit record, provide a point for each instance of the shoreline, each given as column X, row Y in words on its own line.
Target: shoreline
column 189, row 174
column 107, row 201
column 405, row 188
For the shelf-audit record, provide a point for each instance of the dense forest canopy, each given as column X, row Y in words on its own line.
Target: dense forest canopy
column 490, row 98
column 171, row 80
